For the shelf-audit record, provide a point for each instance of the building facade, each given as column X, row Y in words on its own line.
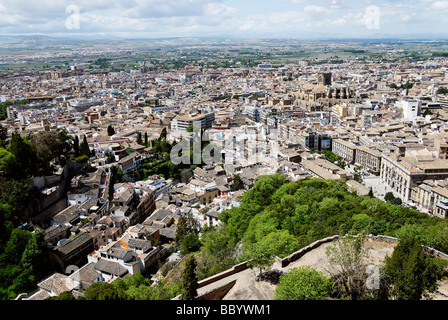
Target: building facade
column 344, row 149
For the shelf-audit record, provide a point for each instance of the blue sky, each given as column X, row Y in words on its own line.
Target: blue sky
column 228, row 18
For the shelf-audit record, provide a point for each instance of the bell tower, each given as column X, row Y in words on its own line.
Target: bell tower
column 324, row 78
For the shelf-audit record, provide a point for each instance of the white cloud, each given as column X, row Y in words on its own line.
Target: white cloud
column 209, row 17
column 316, row 11
column 440, row 5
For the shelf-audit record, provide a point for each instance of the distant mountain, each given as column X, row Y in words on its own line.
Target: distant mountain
column 37, row 41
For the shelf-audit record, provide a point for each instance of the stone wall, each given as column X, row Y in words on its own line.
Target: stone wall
column 217, row 293
column 235, row 269
column 428, row 250
column 386, row 239
column 298, row 254
column 45, row 204
column 43, row 181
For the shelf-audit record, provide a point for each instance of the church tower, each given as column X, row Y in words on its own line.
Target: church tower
column 324, row 78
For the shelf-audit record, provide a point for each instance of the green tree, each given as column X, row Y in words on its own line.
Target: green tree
column 408, row 85
column 65, row 146
column 357, row 177
column 82, row 159
column 84, row 147
column 139, row 138
column 303, row 283
column 161, row 147
column 393, row 86
column 348, row 265
column 24, row 154
column 49, row 146
column 104, row 291
column 15, row 196
column 164, row 291
column 110, row 130
column 119, row 175
column 32, row 256
column 3, row 135
column 361, row 222
column 237, row 184
column 163, row 134
column 136, row 287
column 280, row 243
column 46, row 146
column 141, row 292
column 389, row 196
column 8, row 163
column 275, row 243
column 135, row 280
column 190, row 243
column 186, row 225
column 76, row 146
column 410, row 274
column 442, row 90
column 66, row 295
column 189, row 283
column 21, row 263
column 258, row 257
column 16, row 245
column 6, row 224
column 217, row 254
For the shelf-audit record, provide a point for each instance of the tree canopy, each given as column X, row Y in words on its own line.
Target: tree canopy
column 189, row 280
column 278, row 217
column 303, row 283
column 410, row 274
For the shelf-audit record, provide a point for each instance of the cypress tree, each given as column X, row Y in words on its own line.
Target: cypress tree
column 189, row 283
column 139, row 138
column 76, row 146
column 110, row 131
column 84, row 147
column 410, row 272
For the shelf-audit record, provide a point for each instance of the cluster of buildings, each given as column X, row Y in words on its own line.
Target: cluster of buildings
column 265, row 120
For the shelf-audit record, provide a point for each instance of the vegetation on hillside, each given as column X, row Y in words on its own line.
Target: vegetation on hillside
column 22, row 252
column 277, row 217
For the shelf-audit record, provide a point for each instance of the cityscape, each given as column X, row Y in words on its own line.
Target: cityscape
column 201, row 164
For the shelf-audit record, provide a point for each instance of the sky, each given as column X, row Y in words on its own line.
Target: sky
column 223, row 18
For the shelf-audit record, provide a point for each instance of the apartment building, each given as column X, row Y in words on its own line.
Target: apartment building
column 432, row 196
column 368, row 158
column 344, row 149
column 403, row 171
column 203, row 121
column 289, row 131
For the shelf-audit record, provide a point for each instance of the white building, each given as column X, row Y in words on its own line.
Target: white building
column 182, row 122
column 411, row 108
